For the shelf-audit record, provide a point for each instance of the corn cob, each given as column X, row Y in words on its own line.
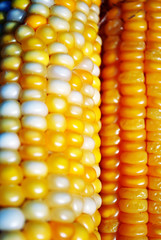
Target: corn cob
column 50, row 108
column 59, row 101
column 152, row 70
column 133, row 157
column 110, row 126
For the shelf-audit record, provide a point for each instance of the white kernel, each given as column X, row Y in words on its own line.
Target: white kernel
column 34, row 169
column 95, row 8
column 58, row 182
column 57, row 47
column 36, row 210
column 40, row 9
column 34, row 108
column 88, row 158
column 63, row 59
column 34, row 122
column 96, row 98
column 9, row 157
column 59, row 24
column 62, row 214
column 61, row 11
column 54, row 199
column 76, row 98
column 31, row 94
column 88, row 90
column 77, row 205
column 89, row 206
column 88, row 102
column 96, row 70
column 10, row 91
column 80, row 16
column 10, row 108
column 11, row 219
column 33, row 68
column 88, row 129
column 93, row 16
column 99, row 40
column 98, row 170
column 9, row 140
column 83, row 7
column 59, row 72
column 75, row 110
column 79, row 40
column 59, row 87
column 88, row 143
column 98, row 200
column 86, row 64
column 77, row 26
column 48, row 3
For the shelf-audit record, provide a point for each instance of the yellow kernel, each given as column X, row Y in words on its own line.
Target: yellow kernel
column 66, row 38
column 86, row 221
column 74, row 139
column 11, row 63
column 32, row 43
column 63, row 60
column 56, row 141
column 77, row 55
column 24, row 32
column 56, row 104
column 36, row 56
column 35, row 230
column 10, row 174
column 36, row 21
column 13, row 49
column 58, row 164
column 77, row 184
column 76, row 168
column 11, row 195
column 33, row 152
column 34, row 188
column 70, row 4
column 20, row 4
column 10, row 125
column 80, row 233
column 56, row 122
column 87, row 48
column 46, row 34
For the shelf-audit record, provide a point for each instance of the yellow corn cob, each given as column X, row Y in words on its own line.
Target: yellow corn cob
column 133, row 156
column 59, row 154
column 152, row 70
column 110, row 126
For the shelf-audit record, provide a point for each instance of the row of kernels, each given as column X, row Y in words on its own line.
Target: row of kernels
column 10, row 93
column 153, row 118
column 72, row 124
column 133, row 158
column 89, row 143
column 32, row 155
column 4, row 8
column 12, row 194
column 110, row 131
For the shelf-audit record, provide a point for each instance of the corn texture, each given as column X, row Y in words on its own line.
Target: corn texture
column 50, row 142
column 70, row 143
column 152, row 71
column 110, row 127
